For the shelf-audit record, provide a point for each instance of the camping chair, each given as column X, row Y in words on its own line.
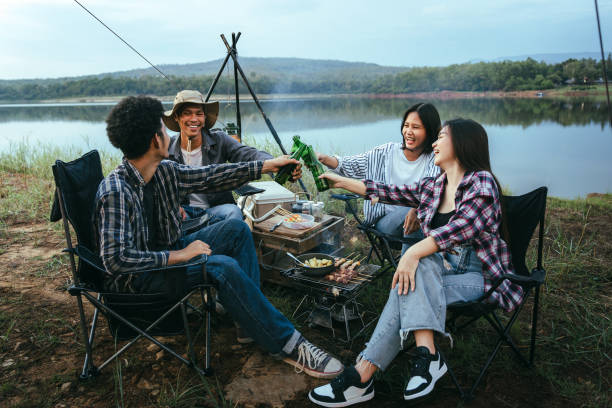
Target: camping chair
column 386, row 247
column 523, row 213
column 129, row 315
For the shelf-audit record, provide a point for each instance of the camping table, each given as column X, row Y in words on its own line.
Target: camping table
column 324, row 237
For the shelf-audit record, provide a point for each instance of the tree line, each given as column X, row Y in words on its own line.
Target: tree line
column 483, row 76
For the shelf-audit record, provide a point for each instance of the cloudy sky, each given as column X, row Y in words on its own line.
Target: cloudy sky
column 54, row 38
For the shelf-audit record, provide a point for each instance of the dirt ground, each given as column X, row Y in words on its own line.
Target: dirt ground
column 41, row 348
column 41, row 362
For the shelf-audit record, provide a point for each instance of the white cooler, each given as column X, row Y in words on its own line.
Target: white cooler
column 274, row 195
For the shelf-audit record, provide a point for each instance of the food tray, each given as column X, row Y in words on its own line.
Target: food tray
column 304, row 221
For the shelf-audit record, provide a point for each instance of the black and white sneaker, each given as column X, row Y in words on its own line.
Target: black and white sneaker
column 425, row 371
column 344, row 390
column 313, row 361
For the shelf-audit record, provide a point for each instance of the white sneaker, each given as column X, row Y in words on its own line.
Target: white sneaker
column 346, row 389
column 426, row 370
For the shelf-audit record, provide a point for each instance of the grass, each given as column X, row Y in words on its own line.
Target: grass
column 574, row 339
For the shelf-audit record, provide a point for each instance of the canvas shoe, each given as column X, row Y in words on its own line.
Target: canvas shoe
column 346, row 389
column 219, row 309
column 425, row 371
column 242, row 336
column 312, row 360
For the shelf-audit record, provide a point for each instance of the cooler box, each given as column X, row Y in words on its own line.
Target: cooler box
column 274, row 195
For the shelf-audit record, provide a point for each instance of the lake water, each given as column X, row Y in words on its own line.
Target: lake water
column 565, row 145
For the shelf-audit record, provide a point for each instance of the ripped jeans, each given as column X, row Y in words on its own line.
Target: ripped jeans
column 438, row 283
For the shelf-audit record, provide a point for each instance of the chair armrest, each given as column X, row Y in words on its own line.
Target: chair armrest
column 94, row 260
column 194, row 224
column 89, row 258
column 247, row 190
column 536, row 278
column 346, row 197
column 198, row 260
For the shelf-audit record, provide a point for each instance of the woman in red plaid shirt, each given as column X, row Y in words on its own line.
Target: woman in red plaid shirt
column 462, row 254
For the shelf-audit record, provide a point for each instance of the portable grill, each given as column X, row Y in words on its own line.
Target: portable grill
column 326, row 302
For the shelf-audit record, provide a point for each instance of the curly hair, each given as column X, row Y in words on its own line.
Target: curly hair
column 132, row 124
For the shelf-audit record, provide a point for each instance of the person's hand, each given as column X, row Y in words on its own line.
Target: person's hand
column 183, row 213
column 274, row 165
column 411, row 222
column 296, row 174
column 334, row 179
column 194, row 249
column 405, row 274
column 329, row 161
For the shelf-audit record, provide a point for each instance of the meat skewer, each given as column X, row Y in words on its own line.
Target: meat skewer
column 346, row 264
column 356, row 264
column 340, row 261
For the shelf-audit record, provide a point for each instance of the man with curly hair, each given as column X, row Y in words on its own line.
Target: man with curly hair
column 138, row 226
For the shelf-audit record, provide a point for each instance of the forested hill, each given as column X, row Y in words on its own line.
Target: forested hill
column 298, row 68
column 300, row 76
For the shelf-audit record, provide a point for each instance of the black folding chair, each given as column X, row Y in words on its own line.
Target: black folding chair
column 386, row 247
column 523, row 214
column 130, row 316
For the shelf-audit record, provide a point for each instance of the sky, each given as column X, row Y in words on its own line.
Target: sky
column 57, row 38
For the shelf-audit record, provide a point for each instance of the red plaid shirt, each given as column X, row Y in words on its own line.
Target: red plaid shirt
column 476, row 221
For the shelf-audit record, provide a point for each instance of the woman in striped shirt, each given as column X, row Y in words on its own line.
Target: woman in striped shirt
column 462, row 255
column 395, row 163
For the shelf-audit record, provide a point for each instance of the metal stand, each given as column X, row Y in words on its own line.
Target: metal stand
column 233, row 53
column 325, row 312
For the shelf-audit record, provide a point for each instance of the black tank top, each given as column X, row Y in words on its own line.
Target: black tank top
column 441, row 219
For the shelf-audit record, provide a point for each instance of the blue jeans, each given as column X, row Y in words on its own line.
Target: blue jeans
column 233, row 267
column 392, row 224
column 441, row 278
column 217, row 213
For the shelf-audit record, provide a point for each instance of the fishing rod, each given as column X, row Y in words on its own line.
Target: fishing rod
column 230, row 53
column 125, row 42
column 603, row 64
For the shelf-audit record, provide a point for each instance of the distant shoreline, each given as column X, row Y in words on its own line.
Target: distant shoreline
column 440, row 95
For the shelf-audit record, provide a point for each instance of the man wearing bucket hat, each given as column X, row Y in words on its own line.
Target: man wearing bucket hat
column 137, row 225
column 198, row 144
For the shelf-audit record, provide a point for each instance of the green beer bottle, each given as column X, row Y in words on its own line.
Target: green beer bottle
column 316, row 168
column 297, row 150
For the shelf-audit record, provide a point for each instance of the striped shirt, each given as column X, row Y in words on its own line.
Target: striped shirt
column 119, row 217
column 375, row 165
column 476, row 222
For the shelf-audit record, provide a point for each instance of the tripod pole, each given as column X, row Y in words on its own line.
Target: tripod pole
column 268, row 123
column 214, row 84
column 238, row 119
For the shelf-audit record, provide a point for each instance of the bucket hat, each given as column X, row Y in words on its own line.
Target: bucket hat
column 211, row 109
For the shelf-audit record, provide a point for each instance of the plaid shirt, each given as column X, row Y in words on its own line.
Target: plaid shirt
column 119, row 219
column 476, row 222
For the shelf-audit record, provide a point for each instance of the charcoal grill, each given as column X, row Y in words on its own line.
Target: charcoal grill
column 326, row 302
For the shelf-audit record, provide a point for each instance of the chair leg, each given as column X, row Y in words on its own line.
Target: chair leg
column 190, row 351
column 503, row 336
column 504, row 332
column 534, row 324
column 207, row 369
column 89, row 370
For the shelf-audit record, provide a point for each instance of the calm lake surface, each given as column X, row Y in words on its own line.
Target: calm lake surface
column 565, row 145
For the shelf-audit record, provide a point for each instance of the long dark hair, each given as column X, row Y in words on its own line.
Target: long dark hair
column 471, row 146
column 431, row 121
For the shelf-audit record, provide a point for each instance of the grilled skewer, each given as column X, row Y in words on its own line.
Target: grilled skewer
column 355, row 264
column 340, row 261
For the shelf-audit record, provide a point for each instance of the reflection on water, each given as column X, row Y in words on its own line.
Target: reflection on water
column 564, row 144
column 335, row 112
